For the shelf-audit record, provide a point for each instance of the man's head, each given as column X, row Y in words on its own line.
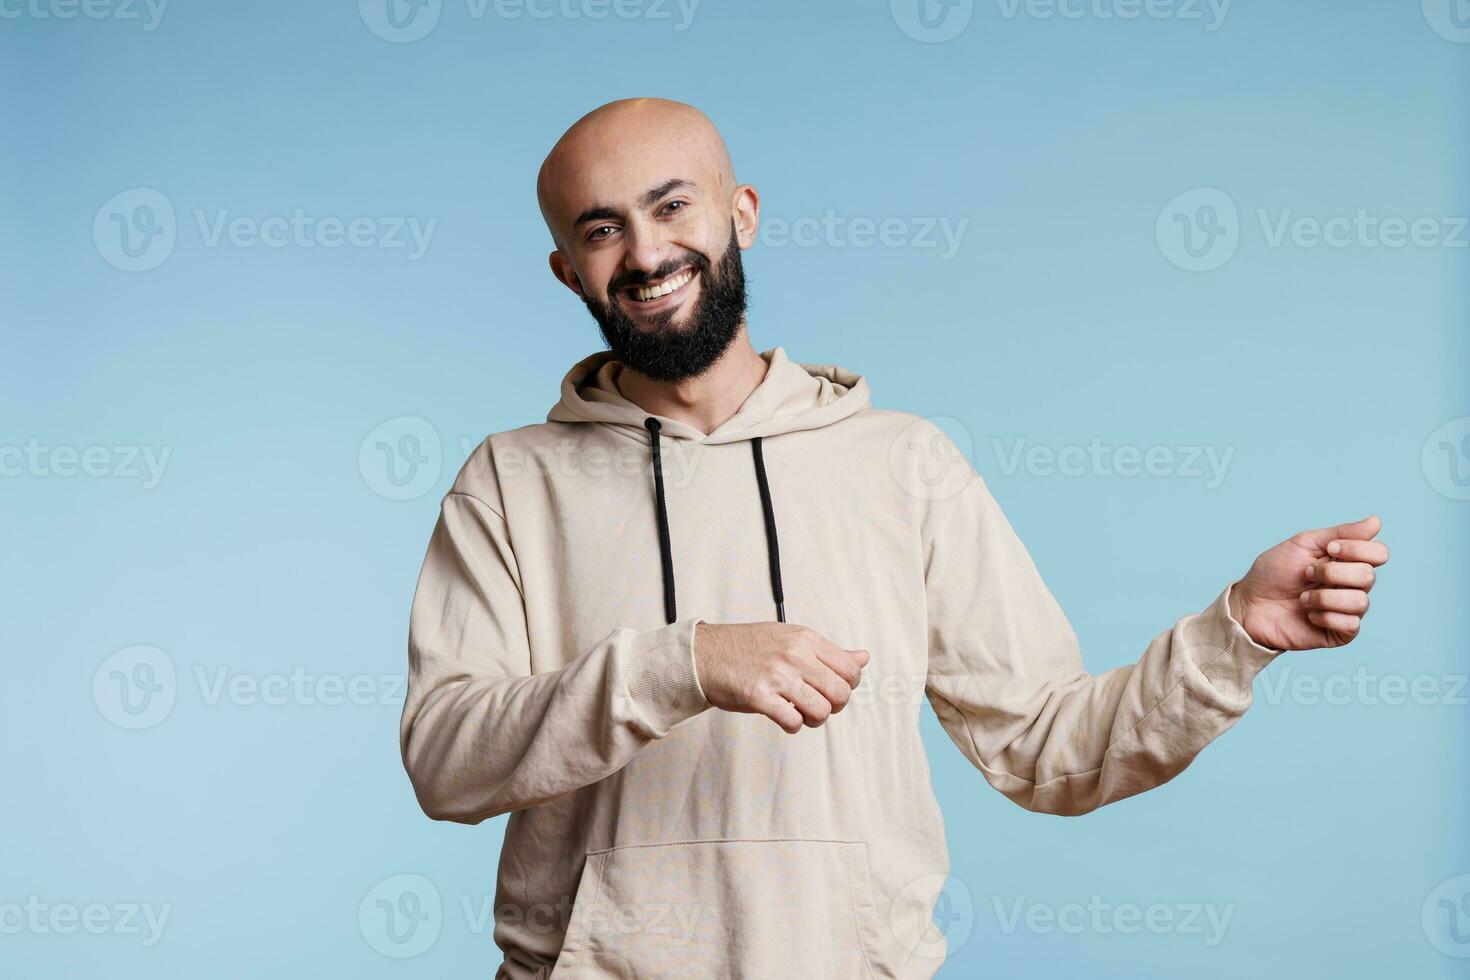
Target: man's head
column 648, row 221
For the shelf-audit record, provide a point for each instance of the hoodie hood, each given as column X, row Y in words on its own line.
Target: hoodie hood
column 792, row 397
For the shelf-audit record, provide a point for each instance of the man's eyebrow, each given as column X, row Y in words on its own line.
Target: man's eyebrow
column 605, row 212
column 666, row 188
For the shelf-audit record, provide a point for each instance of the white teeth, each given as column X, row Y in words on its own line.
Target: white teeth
column 644, row 294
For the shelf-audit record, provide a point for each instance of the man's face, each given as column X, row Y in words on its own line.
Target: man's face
column 650, row 240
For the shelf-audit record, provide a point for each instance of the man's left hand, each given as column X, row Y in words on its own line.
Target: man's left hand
column 1311, row 590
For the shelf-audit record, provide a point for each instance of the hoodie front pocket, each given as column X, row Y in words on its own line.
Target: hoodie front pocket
column 724, row 908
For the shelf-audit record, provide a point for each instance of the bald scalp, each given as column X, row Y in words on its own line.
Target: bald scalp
column 631, row 136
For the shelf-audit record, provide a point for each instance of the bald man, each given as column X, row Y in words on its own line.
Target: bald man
column 682, row 630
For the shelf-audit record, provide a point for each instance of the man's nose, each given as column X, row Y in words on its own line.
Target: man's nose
column 646, row 248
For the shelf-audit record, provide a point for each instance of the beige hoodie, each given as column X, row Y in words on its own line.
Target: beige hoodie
column 552, row 678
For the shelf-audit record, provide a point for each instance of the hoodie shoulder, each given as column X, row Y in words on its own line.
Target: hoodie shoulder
column 479, row 477
column 894, row 422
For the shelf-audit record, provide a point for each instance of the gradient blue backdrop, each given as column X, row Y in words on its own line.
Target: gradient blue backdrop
column 1331, row 829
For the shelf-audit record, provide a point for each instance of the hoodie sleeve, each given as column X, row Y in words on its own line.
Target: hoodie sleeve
column 482, row 735
column 1006, row 677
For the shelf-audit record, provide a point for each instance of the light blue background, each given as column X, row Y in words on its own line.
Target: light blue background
column 264, row 548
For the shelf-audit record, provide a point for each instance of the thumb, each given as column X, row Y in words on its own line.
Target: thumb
column 1363, row 530
column 861, row 656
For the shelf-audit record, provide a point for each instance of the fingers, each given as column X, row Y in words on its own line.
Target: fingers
column 830, row 685
column 782, row 712
column 1351, row 601
column 847, row 664
column 1370, row 552
column 1337, row 622
column 816, row 683
column 1347, row 574
column 1363, row 530
column 814, row 708
column 822, row 691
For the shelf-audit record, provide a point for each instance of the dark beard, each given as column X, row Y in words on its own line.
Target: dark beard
column 667, row 352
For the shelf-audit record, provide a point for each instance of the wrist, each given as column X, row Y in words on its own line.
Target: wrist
column 1236, row 604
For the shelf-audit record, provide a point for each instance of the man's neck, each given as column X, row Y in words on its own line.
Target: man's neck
column 705, row 402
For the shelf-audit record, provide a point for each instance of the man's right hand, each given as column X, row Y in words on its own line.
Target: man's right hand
column 791, row 674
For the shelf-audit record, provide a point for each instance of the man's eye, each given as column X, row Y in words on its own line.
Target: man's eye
column 601, row 232
column 671, row 207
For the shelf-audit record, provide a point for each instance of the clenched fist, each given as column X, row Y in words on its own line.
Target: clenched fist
column 1311, row 590
column 791, row 674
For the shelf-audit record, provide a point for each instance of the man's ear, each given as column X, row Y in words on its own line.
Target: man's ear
column 561, row 267
column 746, row 211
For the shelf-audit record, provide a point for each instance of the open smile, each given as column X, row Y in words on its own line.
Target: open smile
column 662, row 294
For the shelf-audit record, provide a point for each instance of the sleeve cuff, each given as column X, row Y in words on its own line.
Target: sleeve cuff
column 1224, row 651
column 663, row 684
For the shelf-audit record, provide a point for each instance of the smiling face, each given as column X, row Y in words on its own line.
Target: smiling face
column 642, row 203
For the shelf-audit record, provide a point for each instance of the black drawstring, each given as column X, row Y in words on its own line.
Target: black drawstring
column 666, row 552
column 771, row 544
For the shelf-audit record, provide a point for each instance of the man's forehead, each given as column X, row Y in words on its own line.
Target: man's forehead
column 620, row 175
